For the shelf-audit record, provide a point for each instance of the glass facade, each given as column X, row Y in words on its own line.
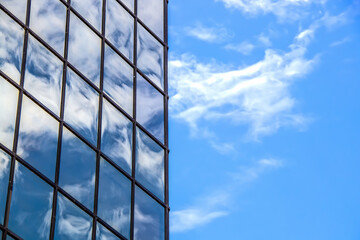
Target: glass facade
column 83, row 120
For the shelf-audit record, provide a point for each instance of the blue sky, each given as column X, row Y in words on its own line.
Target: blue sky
column 264, row 119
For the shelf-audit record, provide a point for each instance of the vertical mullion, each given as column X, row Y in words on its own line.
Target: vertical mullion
column 61, row 124
column 17, row 121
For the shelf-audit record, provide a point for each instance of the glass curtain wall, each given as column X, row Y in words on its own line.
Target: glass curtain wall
column 83, row 120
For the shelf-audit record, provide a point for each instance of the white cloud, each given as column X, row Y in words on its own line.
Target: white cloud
column 340, row 42
column 208, row 34
column 243, row 47
column 265, row 40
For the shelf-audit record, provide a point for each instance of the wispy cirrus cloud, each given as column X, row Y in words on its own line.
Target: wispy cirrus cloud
column 243, row 47
column 214, row 34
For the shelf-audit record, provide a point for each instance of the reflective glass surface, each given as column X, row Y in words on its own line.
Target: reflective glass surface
column 150, row 56
column 151, row 12
column 129, row 4
column 11, row 47
column 149, row 218
column 4, row 180
column 103, row 234
column 118, row 80
column 8, row 108
column 114, row 198
column 43, row 75
column 90, row 10
column 8, row 237
column 77, row 169
column 71, row 221
column 116, row 138
column 38, row 138
column 150, row 108
column 30, row 197
column 17, row 7
column 84, row 49
column 47, row 19
column 81, row 106
column 149, row 168
column 120, row 28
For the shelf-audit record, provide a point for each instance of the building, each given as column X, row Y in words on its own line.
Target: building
column 83, row 119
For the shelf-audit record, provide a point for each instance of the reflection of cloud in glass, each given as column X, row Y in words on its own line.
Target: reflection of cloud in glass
column 47, row 19
column 4, row 179
column 149, row 218
column 71, row 221
column 38, row 144
column 118, row 80
column 11, row 38
column 17, row 7
column 114, row 198
column 151, row 12
column 84, row 49
column 43, row 75
column 90, row 10
column 116, row 140
column 150, row 56
column 149, row 169
column 120, row 28
column 150, row 108
column 81, row 106
column 103, row 234
column 8, row 108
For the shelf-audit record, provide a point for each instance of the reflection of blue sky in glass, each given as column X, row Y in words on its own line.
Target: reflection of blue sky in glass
column 8, row 237
column 31, row 205
column 11, row 36
column 71, row 221
column 114, row 198
column 77, row 169
column 103, row 234
column 90, row 10
column 4, row 180
column 151, row 12
column 37, row 144
column 149, row 168
column 149, row 218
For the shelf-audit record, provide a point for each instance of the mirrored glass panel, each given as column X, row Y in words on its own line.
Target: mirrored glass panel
column 8, row 237
column 118, row 80
column 151, row 12
column 149, row 218
column 43, row 75
column 116, row 140
column 31, row 205
column 150, row 108
column 11, row 47
column 150, row 57
column 90, row 10
column 71, row 221
column 8, row 109
column 81, row 106
column 4, row 181
column 149, row 168
column 38, row 138
column 77, row 169
column 114, row 198
column 17, row 7
column 84, row 49
column 120, row 28
column 103, row 234
column 47, row 19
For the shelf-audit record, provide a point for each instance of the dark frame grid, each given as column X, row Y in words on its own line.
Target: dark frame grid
column 99, row 154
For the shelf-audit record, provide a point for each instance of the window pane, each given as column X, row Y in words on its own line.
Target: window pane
column 149, row 168
column 84, row 49
column 4, row 181
column 31, row 205
column 48, row 21
column 81, row 106
column 43, row 75
column 150, row 57
column 120, row 28
column 116, row 138
column 8, row 237
column 11, row 47
column 17, row 7
column 77, row 169
column 118, row 80
column 103, row 234
column 149, row 218
column 151, row 12
column 90, row 10
column 114, row 198
column 38, row 138
column 8, row 109
column 150, row 108
column 71, row 221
